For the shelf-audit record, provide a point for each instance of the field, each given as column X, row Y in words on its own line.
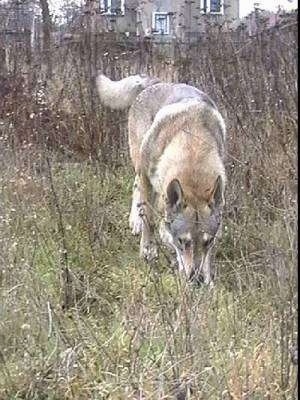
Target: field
column 81, row 316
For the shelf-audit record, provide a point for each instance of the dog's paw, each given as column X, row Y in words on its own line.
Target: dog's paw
column 149, row 252
column 135, row 224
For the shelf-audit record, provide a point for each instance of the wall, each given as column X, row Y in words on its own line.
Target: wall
column 185, row 19
column 117, row 23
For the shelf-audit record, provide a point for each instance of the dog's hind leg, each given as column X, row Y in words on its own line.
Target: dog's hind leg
column 148, row 247
column 135, row 221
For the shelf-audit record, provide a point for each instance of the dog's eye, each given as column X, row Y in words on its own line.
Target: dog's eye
column 184, row 244
column 208, row 242
column 168, row 224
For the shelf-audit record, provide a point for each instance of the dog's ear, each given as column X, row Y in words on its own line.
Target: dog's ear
column 216, row 195
column 174, row 196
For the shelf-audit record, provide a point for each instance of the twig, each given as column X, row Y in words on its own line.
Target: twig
column 65, row 273
column 50, row 319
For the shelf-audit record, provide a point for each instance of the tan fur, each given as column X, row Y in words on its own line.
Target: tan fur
column 180, row 147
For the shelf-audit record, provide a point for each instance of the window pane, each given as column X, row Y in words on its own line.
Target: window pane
column 161, row 24
column 104, row 5
column 116, row 6
column 215, row 5
column 111, row 6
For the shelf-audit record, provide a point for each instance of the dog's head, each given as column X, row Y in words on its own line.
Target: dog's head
column 192, row 232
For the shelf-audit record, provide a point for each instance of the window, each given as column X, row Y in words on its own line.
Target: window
column 215, row 6
column 161, row 23
column 211, row 6
column 113, row 7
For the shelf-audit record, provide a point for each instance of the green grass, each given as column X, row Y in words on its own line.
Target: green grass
column 132, row 330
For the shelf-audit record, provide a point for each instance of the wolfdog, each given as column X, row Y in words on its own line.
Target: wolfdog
column 176, row 142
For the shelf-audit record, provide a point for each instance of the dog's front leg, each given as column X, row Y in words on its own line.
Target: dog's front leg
column 148, row 247
column 135, row 221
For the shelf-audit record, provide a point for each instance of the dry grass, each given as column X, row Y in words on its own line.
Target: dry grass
column 81, row 317
column 131, row 329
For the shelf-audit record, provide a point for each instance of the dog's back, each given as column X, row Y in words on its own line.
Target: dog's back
column 165, row 99
column 154, row 97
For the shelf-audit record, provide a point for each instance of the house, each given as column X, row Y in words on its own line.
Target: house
column 259, row 20
column 161, row 19
column 19, row 21
column 19, row 33
column 113, row 15
column 182, row 18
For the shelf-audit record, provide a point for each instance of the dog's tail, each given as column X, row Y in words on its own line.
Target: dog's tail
column 121, row 94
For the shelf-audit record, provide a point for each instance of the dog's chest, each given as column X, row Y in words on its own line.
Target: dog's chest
column 155, row 179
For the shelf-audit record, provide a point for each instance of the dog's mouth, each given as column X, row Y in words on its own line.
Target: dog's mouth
column 196, row 277
column 196, row 274
column 194, row 271
column 201, row 272
column 185, row 261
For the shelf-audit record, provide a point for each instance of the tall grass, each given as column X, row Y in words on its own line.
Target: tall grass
column 81, row 316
